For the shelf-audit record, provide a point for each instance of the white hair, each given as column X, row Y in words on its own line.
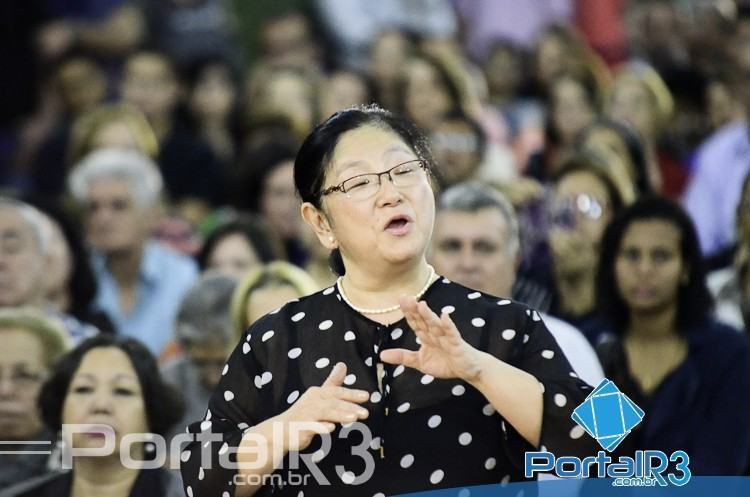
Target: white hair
column 40, row 225
column 141, row 174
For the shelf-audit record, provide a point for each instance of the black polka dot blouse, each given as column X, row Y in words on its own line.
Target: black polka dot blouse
column 422, row 433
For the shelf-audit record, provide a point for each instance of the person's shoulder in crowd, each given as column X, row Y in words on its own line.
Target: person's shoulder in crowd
column 576, row 348
column 169, row 262
column 724, row 140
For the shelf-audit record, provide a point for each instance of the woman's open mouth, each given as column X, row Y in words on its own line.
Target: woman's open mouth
column 399, row 225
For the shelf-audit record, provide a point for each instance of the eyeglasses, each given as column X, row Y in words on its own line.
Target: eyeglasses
column 564, row 212
column 364, row 186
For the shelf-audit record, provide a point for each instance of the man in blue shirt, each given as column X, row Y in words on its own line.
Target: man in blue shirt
column 140, row 282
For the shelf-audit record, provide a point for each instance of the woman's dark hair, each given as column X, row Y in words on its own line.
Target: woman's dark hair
column 694, row 302
column 446, row 78
column 590, row 88
column 313, row 157
column 586, row 163
column 163, row 404
column 633, row 145
column 257, row 164
column 257, row 233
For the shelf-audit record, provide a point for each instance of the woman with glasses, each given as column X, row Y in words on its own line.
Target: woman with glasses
column 412, row 382
column 585, row 199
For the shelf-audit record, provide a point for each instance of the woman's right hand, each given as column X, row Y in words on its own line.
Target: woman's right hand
column 319, row 409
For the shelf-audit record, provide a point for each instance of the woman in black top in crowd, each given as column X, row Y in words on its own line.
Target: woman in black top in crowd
column 450, row 386
column 114, row 381
column 685, row 370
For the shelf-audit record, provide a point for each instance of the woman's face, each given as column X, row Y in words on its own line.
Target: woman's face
column 571, row 109
column 393, row 226
column 233, row 256
column 633, row 104
column 607, row 145
column 279, row 203
column 426, row 100
column 341, row 91
column 214, row 94
column 105, row 390
column 22, row 372
column 388, row 54
column 649, row 266
column 590, row 202
column 264, row 300
column 59, row 263
column 550, row 58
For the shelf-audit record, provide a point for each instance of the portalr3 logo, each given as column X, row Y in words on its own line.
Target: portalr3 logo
column 608, row 416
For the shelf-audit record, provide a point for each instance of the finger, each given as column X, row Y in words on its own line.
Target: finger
column 349, row 394
column 450, row 331
column 345, row 408
column 409, row 308
column 432, row 321
column 408, row 358
column 336, row 376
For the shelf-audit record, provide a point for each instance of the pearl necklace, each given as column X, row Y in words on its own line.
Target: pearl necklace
column 384, row 310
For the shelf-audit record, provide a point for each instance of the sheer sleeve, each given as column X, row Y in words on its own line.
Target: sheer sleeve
column 534, row 350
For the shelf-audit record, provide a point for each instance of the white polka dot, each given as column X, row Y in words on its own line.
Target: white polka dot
column 243, row 426
column 267, row 336
column 328, row 291
column 379, row 494
column 322, row 362
column 505, row 480
column 573, row 374
column 447, row 309
column 560, row 400
column 208, row 414
column 399, row 369
column 201, row 473
column 446, row 280
column 548, row 354
column 298, row 316
column 368, row 362
column 375, row 443
column 577, row 432
column 350, row 379
column 458, row 390
column 225, row 494
column 189, row 491
column 325, row 325
column 375, row 397
column 228, row 395
column 224, row 371
column 396, row 334
column 349, row 336
column 294, row 353
column 403, row 407
column 407, row 461
column 525, row 338
column 488, row 410
column 474, row 295
column 266, row 377
column 388, row 389
column 258, row 380
column 185, row 456
column 300, row 494
column 477, row 322
column 224, row 448
column 245, row 348
column 434, row 421
column 464, row 438
column 347, row 477
column 205, row 425
column 490, row 463
column 375, row 348
column 508, row 334
column 427, row 379
column 437, row 476
column 292, row 397
column 535, row 316
column 503, row 302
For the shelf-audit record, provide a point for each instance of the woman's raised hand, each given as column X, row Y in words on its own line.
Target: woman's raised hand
column 443, row 352
column 319, row 409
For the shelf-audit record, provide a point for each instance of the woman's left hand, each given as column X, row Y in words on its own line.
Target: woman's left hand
column 443, row 352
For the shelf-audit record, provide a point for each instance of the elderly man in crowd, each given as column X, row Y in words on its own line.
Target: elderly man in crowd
column 476, row 242
column 140, row 282
column 31, row 345
column 26, row 257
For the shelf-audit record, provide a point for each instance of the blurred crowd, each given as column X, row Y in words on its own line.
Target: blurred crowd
column 594, row 163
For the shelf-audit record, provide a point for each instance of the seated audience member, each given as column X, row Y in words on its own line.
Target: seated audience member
column 665, row 352
column 114, row 381
column 731, row 286
column 267, row 288
column 204, row 332
column 27, row 260
column 236, row 246
column 476, row 243
column 584, row 201
column 31, row 345
column 140, row 283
